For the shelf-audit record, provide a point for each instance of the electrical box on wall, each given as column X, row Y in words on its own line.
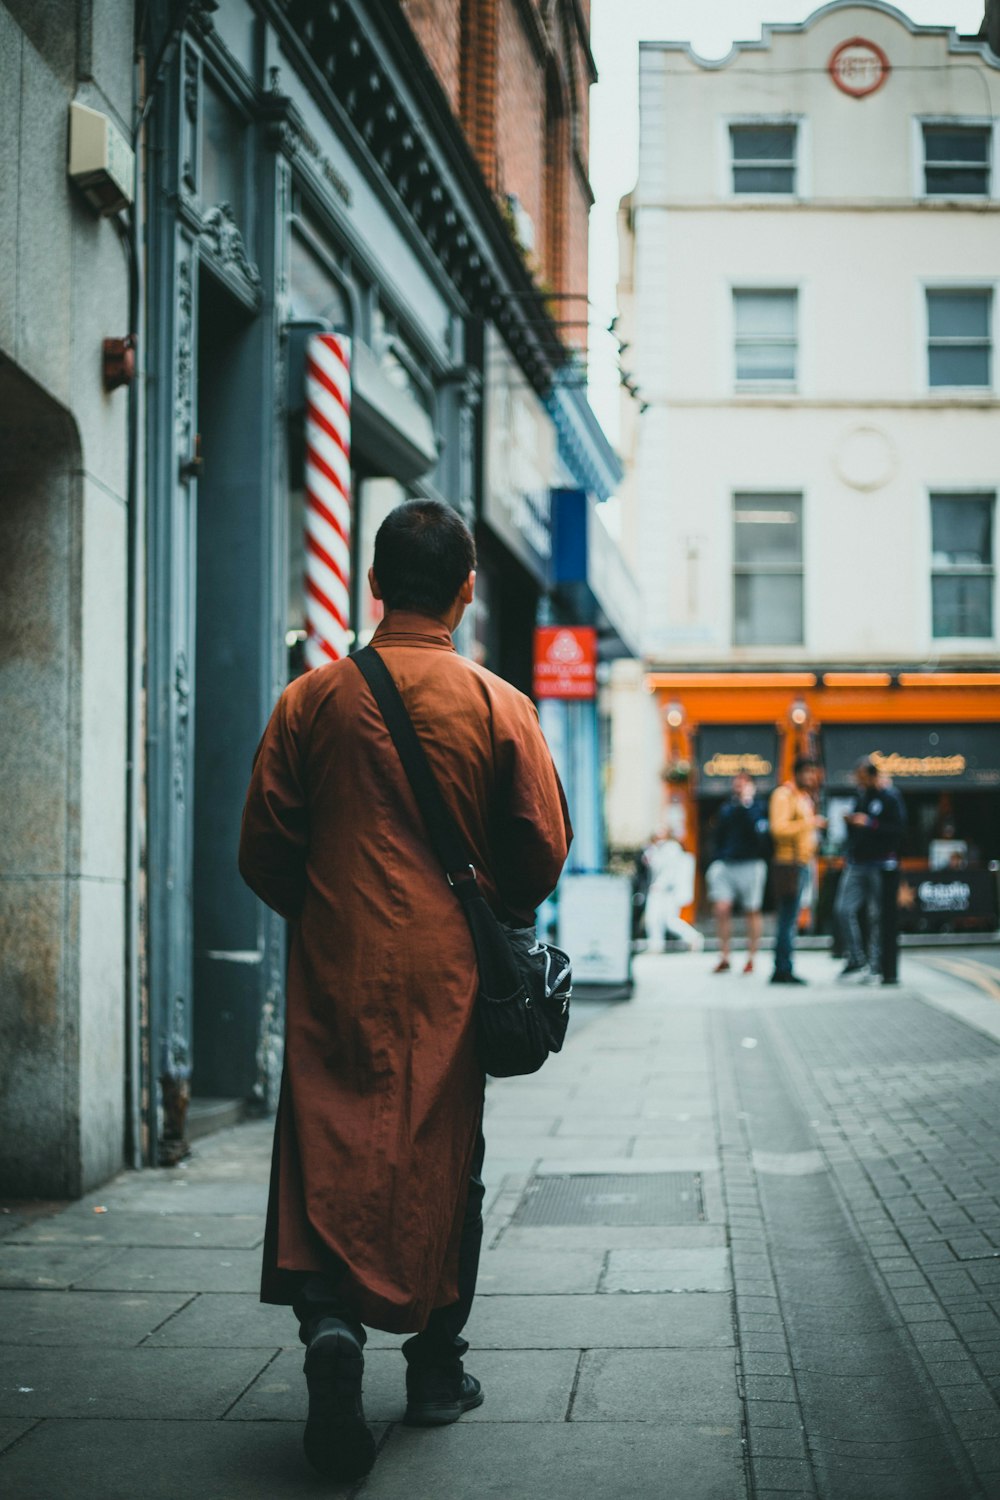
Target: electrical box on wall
column 101, row 162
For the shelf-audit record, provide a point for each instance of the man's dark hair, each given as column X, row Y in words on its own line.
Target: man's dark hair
column 867, row 766
column 423, row 554
column 804, row 763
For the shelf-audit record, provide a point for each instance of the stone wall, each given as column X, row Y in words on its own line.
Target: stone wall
column 63, row 611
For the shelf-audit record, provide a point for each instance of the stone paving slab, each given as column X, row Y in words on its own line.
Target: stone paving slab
column 668, row 1271
column 75, row 1227
column 124, row 1383
column 505, row 1271
column 12, row 1428
column 228, row 1320
column 555, row 1166
column 614, row 1237
column 583, row 1148
column 164, row 1460
column 520, row 1385
column 613, row 1461
column 695, row 1386
column 163, row 1194
column 262, row 1461
column 52, row 1267
column 86, row 1318
column 201, row 1270
column 691, row 1321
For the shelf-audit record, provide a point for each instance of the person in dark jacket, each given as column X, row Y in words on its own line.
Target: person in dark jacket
column 874, row 829
column 739, row 870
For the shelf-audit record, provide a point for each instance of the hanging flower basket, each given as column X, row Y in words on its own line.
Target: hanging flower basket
column 677, row 771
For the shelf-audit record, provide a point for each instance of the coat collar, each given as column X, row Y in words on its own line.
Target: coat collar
column 401, row 627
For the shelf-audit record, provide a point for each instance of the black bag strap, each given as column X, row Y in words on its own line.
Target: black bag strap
column 449, row 845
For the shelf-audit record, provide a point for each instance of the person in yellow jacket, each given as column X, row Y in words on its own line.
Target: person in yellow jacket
column 794, row 826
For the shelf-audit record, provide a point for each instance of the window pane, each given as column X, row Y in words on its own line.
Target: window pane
column 223, row 160
column 765, row 361
column 767, row 529
column 768, row 609
column 961, row 529
column 958, row 180
column 969, row 366
column 763, row 142
column 953, row 143
column 962, row 605
column 315, row 294
column 958, row 314
column 763, row 180
column 764, row 313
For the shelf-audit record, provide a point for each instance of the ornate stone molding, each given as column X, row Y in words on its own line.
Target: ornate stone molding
column 185, row 354
column 221, row 234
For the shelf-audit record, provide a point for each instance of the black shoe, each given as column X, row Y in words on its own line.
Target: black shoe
column 783, row 978
column 439, row 1394
column 337, row 1439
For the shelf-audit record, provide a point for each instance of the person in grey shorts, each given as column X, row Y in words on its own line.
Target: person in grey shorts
column 738, row 873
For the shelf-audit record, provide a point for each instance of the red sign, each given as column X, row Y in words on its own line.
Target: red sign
column 565, row 661
column 859, row 67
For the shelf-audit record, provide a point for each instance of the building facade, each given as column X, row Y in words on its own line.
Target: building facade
column 256, row 173
column 312, row 171
column 67, row 512
column 809, row 282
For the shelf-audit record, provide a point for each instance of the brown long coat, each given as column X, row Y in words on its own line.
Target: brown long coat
column 382, row 1093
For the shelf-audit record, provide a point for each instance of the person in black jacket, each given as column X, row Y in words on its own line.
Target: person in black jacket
column 874, row 829
column 739, row 870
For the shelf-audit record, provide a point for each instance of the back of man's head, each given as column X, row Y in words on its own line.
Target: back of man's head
column 424, row 552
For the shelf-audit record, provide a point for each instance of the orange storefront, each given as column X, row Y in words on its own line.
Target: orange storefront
column 937, row 734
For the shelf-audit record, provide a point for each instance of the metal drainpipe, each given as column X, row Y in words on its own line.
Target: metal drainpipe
column 136, row 1021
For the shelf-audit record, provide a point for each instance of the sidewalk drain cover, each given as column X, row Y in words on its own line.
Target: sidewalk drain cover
column 633, row 1198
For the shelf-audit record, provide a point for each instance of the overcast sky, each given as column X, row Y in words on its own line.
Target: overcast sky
column 711, row 26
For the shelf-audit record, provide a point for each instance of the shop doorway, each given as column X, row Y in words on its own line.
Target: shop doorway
column 231, row 631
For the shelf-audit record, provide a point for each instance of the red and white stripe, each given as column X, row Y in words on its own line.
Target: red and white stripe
column 328, row 498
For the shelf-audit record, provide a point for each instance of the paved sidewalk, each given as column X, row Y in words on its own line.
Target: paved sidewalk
column 834, row 1150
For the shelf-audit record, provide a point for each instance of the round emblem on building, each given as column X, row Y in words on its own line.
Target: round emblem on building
column 865, row 459
column 859, row 67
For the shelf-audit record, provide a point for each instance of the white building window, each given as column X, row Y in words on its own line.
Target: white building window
column 962, row 566
column 767, row 569
column 766, row 337
column 957, row 160
column 959, row 341
column 763, row 158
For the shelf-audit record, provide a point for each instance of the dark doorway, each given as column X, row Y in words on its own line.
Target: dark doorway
column 229, row 630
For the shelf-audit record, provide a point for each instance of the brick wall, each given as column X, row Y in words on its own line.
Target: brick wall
column 517, row 76
column 438, row 28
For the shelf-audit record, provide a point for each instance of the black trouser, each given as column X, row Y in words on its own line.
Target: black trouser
column 889, row 924
column 318, row 1297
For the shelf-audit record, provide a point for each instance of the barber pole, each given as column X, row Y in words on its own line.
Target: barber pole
column 328, row 498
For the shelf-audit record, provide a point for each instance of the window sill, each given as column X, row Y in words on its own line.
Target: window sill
column 766, row 388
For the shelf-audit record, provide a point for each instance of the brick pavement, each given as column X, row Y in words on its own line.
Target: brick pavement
column 811, row 1310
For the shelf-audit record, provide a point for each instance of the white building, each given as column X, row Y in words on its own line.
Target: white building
column 809, row 289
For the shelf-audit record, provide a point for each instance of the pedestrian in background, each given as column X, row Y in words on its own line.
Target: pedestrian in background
column 795, row 826
column 738, row 873
column 374, row 1215
column 874, row 829
column 671, row 886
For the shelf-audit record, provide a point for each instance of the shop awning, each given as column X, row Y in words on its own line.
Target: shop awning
column 726, row 750
column 918, row 757
column 590, row 574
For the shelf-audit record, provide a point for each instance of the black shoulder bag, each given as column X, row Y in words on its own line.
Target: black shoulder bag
column 522, row 1008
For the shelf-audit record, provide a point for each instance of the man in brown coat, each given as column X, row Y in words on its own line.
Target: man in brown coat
column 374, row 1214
